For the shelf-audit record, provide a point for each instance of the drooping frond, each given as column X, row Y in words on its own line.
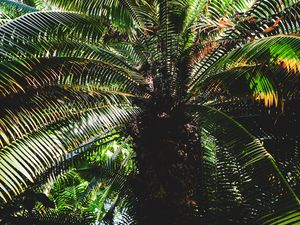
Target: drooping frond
column 114, row 11
column 276, row 129
column 263, row 8
column 58, row 126
column 19, row 65
column 253, row 178
column 18, row 35
column 247, row 29
column 20, row 77
column 62, row 170
column 97, row 185
column 282, row 50
column 72, row 89
column 261, row 68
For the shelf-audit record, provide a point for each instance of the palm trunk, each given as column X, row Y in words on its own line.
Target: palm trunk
column 168, row 161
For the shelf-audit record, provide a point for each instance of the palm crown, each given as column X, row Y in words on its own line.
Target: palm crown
column 169, row 73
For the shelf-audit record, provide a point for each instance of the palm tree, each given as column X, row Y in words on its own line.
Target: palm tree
column 172, row 75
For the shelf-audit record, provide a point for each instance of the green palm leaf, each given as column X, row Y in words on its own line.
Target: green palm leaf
column 47, row 142
column 248, row 158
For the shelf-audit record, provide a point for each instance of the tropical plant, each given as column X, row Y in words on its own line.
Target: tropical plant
column 91, row 189
column 180, row 77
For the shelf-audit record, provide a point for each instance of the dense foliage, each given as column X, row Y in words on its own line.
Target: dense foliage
column 149, row 112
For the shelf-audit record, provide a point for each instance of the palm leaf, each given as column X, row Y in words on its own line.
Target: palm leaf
column 78, row 72
column 62, row 171
column 284, row 218
column 262, row 66
column 111, row 10
column 47, row 142
column 248, row 158
column 282, row 49
column 232, row 38
column 35, row 26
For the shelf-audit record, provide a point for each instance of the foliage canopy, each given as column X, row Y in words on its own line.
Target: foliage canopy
column 197, row 95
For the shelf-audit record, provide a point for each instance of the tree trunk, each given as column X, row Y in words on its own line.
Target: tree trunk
column 168, row 159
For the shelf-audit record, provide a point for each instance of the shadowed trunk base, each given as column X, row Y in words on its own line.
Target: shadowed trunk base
column 168, row 159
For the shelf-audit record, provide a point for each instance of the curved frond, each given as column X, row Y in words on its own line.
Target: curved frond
column 284, row 218
column 287, row 22
column 57, row 127
column 263, row 8
column 262, row 67
column 112, row 10
column 21, row 76
column 19, row 35
column 282, row 50
column 253, row 174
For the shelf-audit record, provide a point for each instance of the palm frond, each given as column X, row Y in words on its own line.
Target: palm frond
column 282, row 49
column 62, row 171
column 284, row 218
column 248, row 158
column 262, row 67
column 28, row 74
column 272, row 85
column 19, row 34
column 244, row 30
column 49, row 218
column 49, row 140
column 110, row 10
column 48, row 106
column 263, row 8
column 101, row 183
